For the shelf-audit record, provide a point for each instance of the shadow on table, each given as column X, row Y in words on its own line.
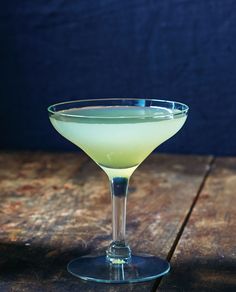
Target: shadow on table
column 201, row 275
column 42, row 268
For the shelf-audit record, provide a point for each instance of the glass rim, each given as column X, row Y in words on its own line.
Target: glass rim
column 62, row 113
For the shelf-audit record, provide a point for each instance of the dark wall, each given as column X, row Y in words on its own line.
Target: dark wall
column 176, row 49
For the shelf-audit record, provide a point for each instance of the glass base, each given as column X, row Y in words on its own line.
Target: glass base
column 98, row 269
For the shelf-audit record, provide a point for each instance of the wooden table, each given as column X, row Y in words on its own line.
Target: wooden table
column 55, row 207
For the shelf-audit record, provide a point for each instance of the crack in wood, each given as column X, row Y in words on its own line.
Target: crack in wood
column 181, row 230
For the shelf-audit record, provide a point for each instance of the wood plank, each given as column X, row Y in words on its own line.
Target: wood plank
column 205, row 258
column 10, row 164
column 57, row 207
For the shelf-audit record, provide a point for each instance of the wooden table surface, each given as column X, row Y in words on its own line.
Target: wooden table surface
column 55, row 207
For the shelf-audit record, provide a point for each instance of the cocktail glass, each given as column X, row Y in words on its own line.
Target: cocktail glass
column 118, row 134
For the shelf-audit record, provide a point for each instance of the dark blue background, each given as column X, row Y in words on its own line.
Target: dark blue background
column 176, row 49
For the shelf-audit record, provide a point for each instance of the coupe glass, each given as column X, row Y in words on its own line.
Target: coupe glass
column 118, row 134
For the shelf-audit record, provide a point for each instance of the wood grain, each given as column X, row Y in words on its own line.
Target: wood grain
column 55, row 207
column 205, row 258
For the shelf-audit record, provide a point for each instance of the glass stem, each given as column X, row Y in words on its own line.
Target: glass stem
column 119, row 251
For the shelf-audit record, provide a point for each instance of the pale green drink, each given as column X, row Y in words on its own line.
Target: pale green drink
column 118, row 138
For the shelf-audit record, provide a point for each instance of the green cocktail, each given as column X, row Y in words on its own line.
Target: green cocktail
column 118, row 138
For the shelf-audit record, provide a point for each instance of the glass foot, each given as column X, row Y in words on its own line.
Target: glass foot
column 98, row 269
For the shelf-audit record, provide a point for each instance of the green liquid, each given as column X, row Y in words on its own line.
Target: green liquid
column 118, row 138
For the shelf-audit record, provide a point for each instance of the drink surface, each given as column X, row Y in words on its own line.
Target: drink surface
column 118, row 138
